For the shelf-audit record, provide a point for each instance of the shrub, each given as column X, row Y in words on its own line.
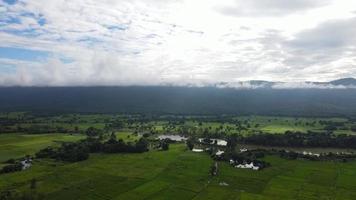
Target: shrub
column 11, row 168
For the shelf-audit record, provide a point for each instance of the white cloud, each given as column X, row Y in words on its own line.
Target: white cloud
column 182, row 42
column 259, row 8
column 306, row 85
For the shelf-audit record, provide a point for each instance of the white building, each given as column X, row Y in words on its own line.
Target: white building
column 218, row 142
column 197, row 150
column 27, row 163
column 243, row 150
column 176, row 138
column 247, row 166
column 311, row 154
column 219, row 153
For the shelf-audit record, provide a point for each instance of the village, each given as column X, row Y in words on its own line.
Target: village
column 215, row 147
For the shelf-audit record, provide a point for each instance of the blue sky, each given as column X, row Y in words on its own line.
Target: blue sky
column 11, row 2
column 23, row 54
column 180, row 42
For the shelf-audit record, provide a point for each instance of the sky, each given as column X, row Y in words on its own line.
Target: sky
column 175, row 42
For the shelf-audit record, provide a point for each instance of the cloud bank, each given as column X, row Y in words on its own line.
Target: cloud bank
column 179, row 42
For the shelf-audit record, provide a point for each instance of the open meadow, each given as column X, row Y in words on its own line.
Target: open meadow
column 177, row 173
column 19, row 145
column 245, row 125
column 182, row 174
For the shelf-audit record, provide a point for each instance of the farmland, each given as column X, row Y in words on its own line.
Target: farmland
column 177, row 173
column 78, row 123
column 181, row 174
column 18, row 145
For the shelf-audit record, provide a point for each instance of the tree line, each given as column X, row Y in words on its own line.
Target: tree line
column 299, row 139
column 78, row 151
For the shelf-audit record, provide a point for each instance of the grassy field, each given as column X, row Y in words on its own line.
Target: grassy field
column 243, row 124
column 177, row 173
column 126, row 136
column 268, row 124
column 181, row 174
column 19, row 145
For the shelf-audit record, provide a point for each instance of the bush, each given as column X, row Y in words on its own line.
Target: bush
column 74, row 152
column 47, row 152
column 11, row 168
column 190, row 144
column 69, row 152
column 93, row 132
column 10, row 161
column 164, row 145
column 94, row 145
column 142, row 145
column 353, row 128
column 113, row 146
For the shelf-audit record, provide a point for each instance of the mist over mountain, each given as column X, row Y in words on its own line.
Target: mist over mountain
column 345, row 83
column 262, row 100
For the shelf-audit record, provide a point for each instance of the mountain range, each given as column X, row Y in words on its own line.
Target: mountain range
column 344, row 83
column 308, row 99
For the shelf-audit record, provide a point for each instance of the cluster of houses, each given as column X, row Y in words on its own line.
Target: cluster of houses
column 178, row 138
column 213, row 141
column 218, row 142
column 245, row 165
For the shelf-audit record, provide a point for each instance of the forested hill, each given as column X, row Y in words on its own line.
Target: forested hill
column 180, row 100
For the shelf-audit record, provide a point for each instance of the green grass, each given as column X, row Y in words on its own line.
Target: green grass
column 277, row 128
column 127, row 136
column 177, row 173
column 266, row 124
column 181, row 174
column 250, row 124
column 19, row 145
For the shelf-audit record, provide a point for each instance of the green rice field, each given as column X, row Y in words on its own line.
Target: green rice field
column 178, row 174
